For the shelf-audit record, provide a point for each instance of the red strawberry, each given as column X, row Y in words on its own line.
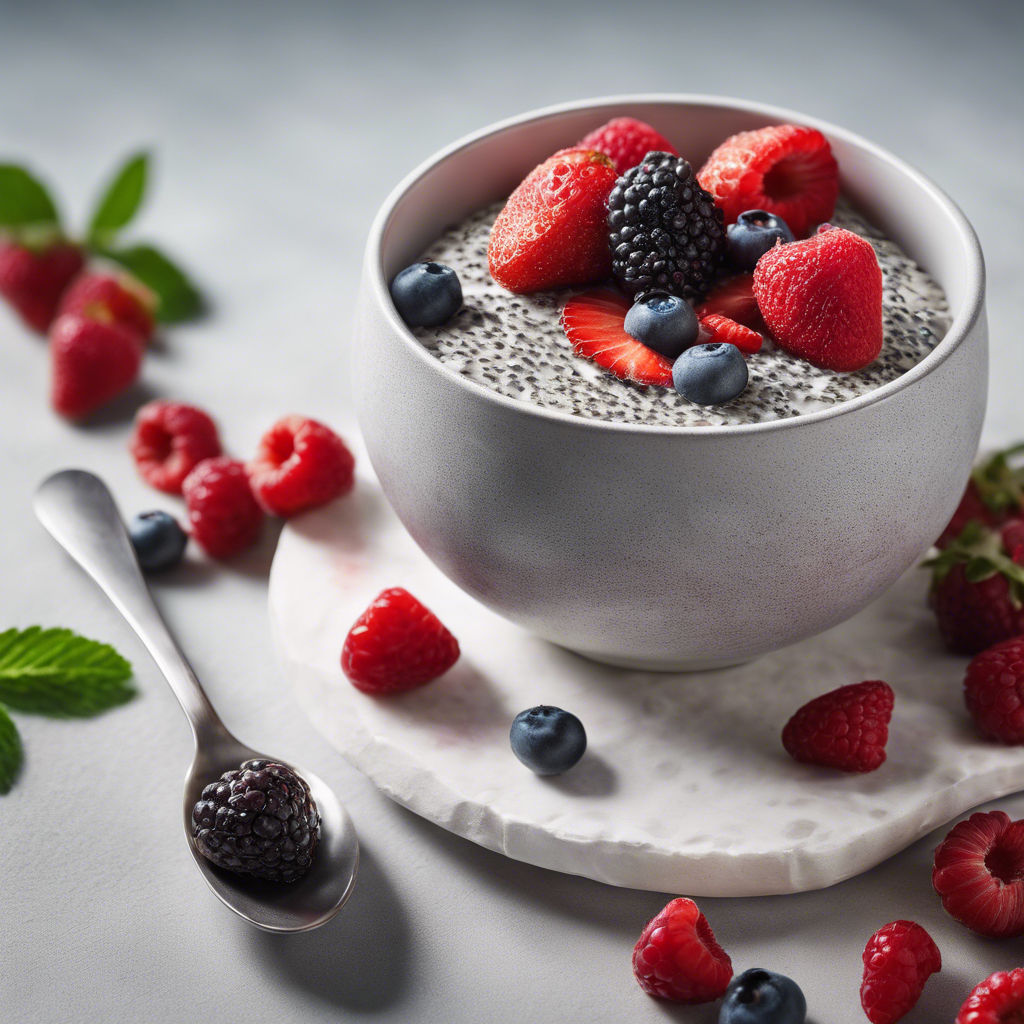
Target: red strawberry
column 553, row 230
column 999, row 999
column 33, row 281
column 91, row 363
column 715, row 327
column 898, row 960
column 786, row 169
column 170, row 439
column 110, row 299
column 733, row 298
column 979, row 873
column 994, row 493
column 822, row 299
column 994, row 691
column 626, row 141
column 593, row 322
column 223, row 514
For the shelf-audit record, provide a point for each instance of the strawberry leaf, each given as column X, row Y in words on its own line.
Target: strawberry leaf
column 11, row 754
column 177, row 297
column 24, row 201
column 121, row 201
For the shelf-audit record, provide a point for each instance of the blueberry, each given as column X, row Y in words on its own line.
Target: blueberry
column 710, row 374
column 663, row 322
column 753, row 234
column 763, row 997
column 547, row 740
column 158, row 540
column 427, row 294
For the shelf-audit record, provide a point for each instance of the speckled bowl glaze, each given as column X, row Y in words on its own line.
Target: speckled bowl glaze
column 668, row 548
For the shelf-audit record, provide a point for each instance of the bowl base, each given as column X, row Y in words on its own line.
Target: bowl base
column 660, row 665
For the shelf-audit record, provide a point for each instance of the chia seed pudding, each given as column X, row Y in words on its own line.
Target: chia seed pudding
column 514, row 344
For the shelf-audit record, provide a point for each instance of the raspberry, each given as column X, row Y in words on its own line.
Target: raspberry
column 677, row 957
column 999, row 999
column 994, row 691
column 717, row 328
column 979, row 873
column 34, row 280
column 224, row 516
column 898, row 960
column 845, row 729
column 169, row 441
column 397, row 644
column 300, row 464
column 626, row 141
column 109, row 299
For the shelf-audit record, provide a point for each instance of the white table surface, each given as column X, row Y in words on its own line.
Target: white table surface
column 279, row 129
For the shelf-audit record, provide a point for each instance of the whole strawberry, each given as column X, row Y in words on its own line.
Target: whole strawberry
column 33, row 280
column 898, row 960
column 112, row 299
column 626, row 141
column 91, row 363
column 994, row 494
column 999, row 999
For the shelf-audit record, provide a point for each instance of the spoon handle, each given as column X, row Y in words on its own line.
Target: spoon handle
column 78, row 509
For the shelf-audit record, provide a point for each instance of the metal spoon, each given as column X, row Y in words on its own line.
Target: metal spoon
column 79, row 511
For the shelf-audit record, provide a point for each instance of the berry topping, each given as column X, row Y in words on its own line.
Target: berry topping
column 717, row 328
column 994, row 493
column 158, row 540
column 258, row 819
column 898, row 960
column 626, row 141
column 999, row 999
column 595, row 324
column 845, row 728
column 665, row 231
column 763, row 997
column 979, row 874
column 223, row 514
column 711, row 373
column 33, row 280
column 112, row 300
column 91, row 363
column 753, row 234
column 663, row 322
column 822, row 299
column 994, row 691
column 170, row 439
column 677, row 957
column 786, row 169
column 300, row 464
column 552, row 231
column 547, row 740
column 397, row 644
column 733, row 298
column 427, row 294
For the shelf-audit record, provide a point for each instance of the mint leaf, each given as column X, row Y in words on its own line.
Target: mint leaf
column 121, row 201
column 24, row 201
column 56, row 672
column 178, row 298
column 11, row 754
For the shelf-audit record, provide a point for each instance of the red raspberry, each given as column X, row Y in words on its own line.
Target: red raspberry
column 91, row 364
column 898, row 960
column 715, row 327
column 999, row 999
column 677, row 957
column 994, row 691
column 786, row 169
column 33, row 281
column 845, row 729
column 626, row 141
column 169, row 441
column 979, row 873
column 733, row 298
column 300, row 464
column 109, row 299
column 994, row 494
column 397, row 644
column 224, row 516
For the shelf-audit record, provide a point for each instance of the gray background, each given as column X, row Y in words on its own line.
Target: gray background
column 279, row 128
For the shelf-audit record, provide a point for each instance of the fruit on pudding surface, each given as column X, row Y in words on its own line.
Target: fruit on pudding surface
column 299, row 465
column 223, row 514
column 397, row 644
column 677, row 957
column 258, row 819
column 665, row 231
column 786, row 169
column 548, row 740
column 758, row 996
column 427, row 294
column 994, row 691
column 170, row 439
column 552, row 231
column 116, row 299
column 710, row 374
column 663, row 322
column 595, row 324
column 994, row 494
column 91, row 363
column 753, row 234
column 822, row 298
column 999, row 999
column 158, row 540
column 717, row 328
column 979, row 874
column 33, row 280
column 733, row 298
column 626, row 141
column 898, row 960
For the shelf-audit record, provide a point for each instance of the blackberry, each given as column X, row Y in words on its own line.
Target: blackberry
column 258, row 819
column 666, row 233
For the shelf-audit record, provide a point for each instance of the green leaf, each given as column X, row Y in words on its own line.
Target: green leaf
column 177, row 297
column 56, row 672
column 11, row 754
column 24, row 201
column 121, row 201
column 978, row 569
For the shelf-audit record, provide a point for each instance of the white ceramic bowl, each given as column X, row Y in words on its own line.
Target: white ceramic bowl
column 668, row 547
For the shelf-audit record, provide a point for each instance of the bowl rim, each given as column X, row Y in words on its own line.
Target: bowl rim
column 961, row 327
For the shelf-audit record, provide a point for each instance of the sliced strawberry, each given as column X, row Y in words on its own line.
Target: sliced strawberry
column 715, row 327
column 593, row 322
column 733, row 298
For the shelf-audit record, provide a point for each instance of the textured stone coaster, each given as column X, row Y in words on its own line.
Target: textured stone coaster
column 685, row 787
